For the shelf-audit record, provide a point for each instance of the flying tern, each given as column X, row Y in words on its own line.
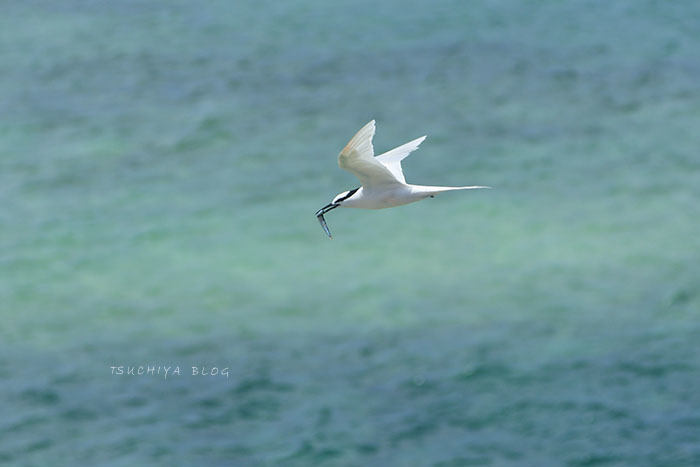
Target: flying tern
column 383, row 183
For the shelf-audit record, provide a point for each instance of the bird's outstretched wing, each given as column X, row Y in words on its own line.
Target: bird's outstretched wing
column 392, row 159
column 358, row 157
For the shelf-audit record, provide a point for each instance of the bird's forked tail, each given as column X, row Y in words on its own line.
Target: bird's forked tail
column 433, row 190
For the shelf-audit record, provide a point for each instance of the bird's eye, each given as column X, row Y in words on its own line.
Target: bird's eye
column 344, row 195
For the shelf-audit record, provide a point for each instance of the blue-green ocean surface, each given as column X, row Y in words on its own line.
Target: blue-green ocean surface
column 160, row 164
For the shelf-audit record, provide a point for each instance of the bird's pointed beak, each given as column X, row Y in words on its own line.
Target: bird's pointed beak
column 326, row 208
column 321, row 220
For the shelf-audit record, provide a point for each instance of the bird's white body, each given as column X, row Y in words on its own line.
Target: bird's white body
column 383, row 182
column 392, row 196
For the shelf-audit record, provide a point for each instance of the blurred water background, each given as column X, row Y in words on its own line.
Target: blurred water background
column 160, row 164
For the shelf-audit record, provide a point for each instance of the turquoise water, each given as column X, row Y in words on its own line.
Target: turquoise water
column 160, row 166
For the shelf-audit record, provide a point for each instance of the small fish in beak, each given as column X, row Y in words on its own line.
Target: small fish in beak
column 322, row 220
column 324, row 225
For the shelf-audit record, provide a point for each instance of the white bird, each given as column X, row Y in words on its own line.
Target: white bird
column 383, row 183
